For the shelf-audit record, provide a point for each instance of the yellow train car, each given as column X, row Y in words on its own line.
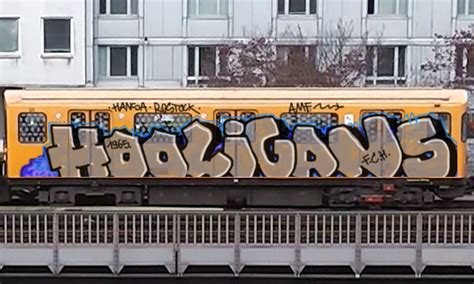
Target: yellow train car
column 288, row 147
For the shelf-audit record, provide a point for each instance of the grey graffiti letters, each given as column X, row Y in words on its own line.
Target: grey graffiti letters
column 238, row 149
column 380, row 138
column 264, row 129
column 437, row 150
column 199, row 138
column 163, row 155
column 69, row 159
column 312, row 153
column 125, row 154
column 259, row 147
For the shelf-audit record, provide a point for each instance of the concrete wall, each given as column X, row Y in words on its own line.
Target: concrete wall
column 30, row 66
column 163, row 30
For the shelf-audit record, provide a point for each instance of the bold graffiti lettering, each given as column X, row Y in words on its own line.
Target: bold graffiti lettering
column 279, row 162
column 163, row 156
column 260, row 147
column 428, row 158
column 71, row 159
column 350, row 151
column 125, row 161
column 312, row 154
column 239, row 150
column 199, row 139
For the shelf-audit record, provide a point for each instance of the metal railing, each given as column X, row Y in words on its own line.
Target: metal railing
column 238, row 239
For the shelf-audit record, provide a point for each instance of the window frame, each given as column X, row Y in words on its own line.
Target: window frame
column 45, row 127
column 466, row 8
column 17, row 53
column 397, row 9
column 197, row 78
column 188, row 115
column 307, row 12
column 108, row 8
column 196, row 15
column 396, row 77
column 310, row 52
column 461, row 71
column 46, row 54
column 109, row 65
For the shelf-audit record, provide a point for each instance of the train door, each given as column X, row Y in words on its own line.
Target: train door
column 242, row 115
column 91, row 119
column 382, row 142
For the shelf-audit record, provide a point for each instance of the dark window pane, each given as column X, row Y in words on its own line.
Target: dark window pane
column 471, row 7
column 312, row 6
column 385, row 60
column 370, row 60
column 191, row 61
column 401, row 61
column 118, row 61
column 134, row 7
column 134, row 60
column 118, row 6
column 461, row 7
column 207, row 61
column 371, row 7
column 103, row 6
column 297, row 6
column 470, row 62
column 281, row 6
column 459, row 51
column 57, row 35
column 8, row 35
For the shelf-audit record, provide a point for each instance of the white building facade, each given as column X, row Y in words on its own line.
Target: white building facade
column 165, row 43
column 42, row 42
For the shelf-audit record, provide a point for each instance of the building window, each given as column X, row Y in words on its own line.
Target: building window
column 295, row 54
column 387, row 7
column 118, row 61
column 8, row 35
column 465, row 61
column 208, row 7
column 57, row 35
column 465, row 7
column 206, row 62
column 297, row 7
column 118, row 7
column 386, row 65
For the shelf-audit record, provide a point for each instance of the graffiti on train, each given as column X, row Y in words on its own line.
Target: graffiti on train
column 259, row 147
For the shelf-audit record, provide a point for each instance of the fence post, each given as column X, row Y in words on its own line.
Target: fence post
column 56, row 268
column 358, row 265
column 237, row 264
column 418, row 266
column 297, row 264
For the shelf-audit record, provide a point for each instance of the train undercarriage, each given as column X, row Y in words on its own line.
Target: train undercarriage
column 235, row 193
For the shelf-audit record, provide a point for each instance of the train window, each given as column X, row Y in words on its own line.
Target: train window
column 247, row 115
column 102, row 120
column 222, row 116
column 464, row 127
column 445, row 119
column 77, row 118
column 32, row 127
column 171, row 123
column 320, row 120
column 470, row 124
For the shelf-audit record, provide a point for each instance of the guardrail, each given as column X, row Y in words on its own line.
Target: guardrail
column 239, row 239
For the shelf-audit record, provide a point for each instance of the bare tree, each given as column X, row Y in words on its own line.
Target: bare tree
column 333, row 61
column 452, row 63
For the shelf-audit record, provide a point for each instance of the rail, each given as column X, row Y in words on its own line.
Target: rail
column 238, row 240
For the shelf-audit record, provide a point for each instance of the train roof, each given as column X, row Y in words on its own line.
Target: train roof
column 258, row 94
